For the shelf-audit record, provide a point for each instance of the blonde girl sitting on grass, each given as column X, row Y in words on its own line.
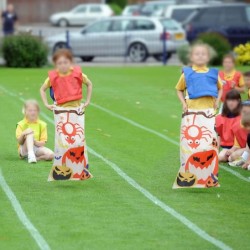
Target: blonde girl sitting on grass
column 31, row 135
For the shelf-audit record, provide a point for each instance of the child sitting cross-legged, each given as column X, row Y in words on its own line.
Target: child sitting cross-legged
column 31, row 134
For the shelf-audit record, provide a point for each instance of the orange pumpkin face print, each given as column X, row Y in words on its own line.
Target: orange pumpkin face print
column 203, row 164
column 75, row 155
column 194, row 134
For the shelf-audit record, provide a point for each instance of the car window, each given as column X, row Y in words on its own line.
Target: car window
column 122, row 25
column 80, row 9
column 207, row 17
column 181, row 14
column 170, row 24
column 95, row 9
column 233, row 16
column 248, row 13
column 99, row 27
column 144, row 25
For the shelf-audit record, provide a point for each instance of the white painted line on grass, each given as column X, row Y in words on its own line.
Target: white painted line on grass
column 229, row 170
column 193, row 227
column 42, row 244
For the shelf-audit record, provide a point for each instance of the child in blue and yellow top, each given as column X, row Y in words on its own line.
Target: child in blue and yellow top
column 199, row 90
column 31, row 134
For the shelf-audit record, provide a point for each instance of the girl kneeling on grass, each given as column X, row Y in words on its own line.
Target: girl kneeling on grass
column 65, row 83
column 226, row 121
column 199, row 90
column 239, row 154
column 31, row 134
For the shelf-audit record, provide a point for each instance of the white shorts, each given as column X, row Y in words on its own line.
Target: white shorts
column 25, row 154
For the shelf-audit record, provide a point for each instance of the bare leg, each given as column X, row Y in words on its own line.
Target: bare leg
column 44, row 154
column 222, row 155
column 30, row 143
column 236, row 154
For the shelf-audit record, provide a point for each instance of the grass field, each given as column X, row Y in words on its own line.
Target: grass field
column 106, row 212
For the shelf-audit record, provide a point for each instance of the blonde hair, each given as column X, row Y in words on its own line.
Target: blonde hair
column 28, row 103
column 210, row 51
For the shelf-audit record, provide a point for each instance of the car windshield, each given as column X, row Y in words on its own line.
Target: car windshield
column 170, row 24
column 181, row 15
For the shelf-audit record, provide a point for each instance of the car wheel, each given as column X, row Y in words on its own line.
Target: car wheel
column 138, row 52
column 159, row 57
column 63, row 23
column 60, row 45
column 87, row 58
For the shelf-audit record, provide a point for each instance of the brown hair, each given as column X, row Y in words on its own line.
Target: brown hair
column 30, row 102
column 62, row 52
column 229, row 56
column 232, row 95
column 246, row 74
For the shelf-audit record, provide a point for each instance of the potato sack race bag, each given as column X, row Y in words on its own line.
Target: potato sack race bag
column 198, row 151
column 71, row 160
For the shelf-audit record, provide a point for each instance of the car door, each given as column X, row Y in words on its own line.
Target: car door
column 93, row 41
column 94, row 12
column 78, row 15
column 119, row 35
column 234, row 21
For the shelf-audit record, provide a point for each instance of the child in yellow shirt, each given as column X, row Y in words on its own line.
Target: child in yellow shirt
column 31, row 134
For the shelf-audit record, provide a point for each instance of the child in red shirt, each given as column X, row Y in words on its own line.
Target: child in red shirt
column 226, row 121
column 230, row 78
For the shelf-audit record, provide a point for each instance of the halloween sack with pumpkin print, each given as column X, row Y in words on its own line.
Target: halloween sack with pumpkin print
column 198, row 151
column 71, row 160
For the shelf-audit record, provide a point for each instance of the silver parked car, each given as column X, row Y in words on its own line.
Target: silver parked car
column 81, row 15
column 135, row 37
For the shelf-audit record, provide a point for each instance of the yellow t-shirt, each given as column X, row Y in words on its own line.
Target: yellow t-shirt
column 39, row 127
column 202, row 102
column 70, row 104
column 230, row 76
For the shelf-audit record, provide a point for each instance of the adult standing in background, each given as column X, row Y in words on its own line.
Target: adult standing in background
column 9, row 20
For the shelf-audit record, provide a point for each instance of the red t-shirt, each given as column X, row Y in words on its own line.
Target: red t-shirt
column 226, row 128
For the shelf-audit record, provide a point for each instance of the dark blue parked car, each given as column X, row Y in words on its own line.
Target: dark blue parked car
column 230, row 20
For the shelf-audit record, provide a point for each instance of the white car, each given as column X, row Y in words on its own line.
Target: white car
column 135, row 37
column 81, row 15
column 131, row 10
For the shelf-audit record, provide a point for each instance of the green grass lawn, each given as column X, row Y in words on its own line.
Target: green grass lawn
column 106, row 212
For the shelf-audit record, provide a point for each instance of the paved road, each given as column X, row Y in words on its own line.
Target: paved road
column 46, row 30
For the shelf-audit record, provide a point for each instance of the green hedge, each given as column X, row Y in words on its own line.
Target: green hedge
column 24, row 51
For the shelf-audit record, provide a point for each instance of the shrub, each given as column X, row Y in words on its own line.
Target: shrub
column 219, row 43
column 24, row 51
column 243, row 54
column 116, row 8
column 183, row 54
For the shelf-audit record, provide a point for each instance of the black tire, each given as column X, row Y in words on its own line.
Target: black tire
column 138, row 52
column 159, row 57
column 60, row 45
column 63, row 22
column 87, row 58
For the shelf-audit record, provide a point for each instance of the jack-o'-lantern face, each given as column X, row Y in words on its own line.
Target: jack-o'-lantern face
column 212, row 181
column 185, row 179
column 61, row 173
column 203, row 159
column 75, row 154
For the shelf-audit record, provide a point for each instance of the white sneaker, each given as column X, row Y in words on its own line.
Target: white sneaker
column 32, row 158
column 236, row 163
